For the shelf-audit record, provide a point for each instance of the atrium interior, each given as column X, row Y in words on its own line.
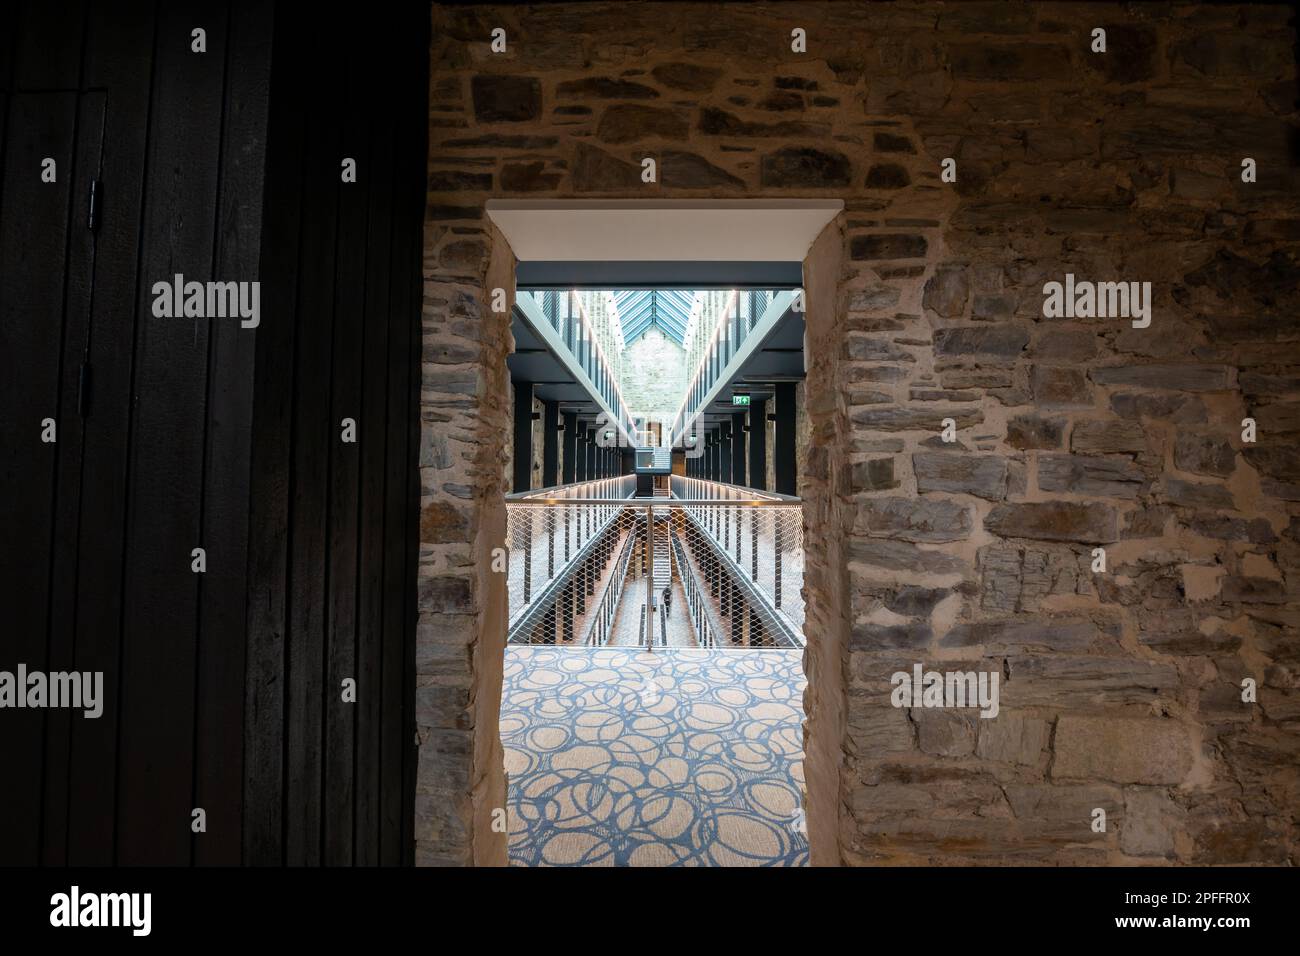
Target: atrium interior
column 652, row 695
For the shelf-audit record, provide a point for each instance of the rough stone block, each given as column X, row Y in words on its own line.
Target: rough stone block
column 892, row 143
column 946, row 291
column 442, row 522
column 994, row 341
column 1178, row 378
column 596, row 170
column 1090, row 522
column 1034, row 431
column 1255, row 591
column 1083, row 475
column 806, row 168
column 1013, row 738
column 528, row 177
column 688, row 77
column 1086, row 681
column 1146, row 522
column 605, row 88
column 878, row 637
column 1065, row 345
column 1204, row 454
column 874, row 299
column 993, row 308
column 886, row 248
column 913, row 601
column 1063, row 813
column 877, row 731
column 629, row 122
column 1108, row 437
column 451, row 180
column 446, row 594
column 903, row 556
column 689, row 171
column 876, row 474
column 1279, row 461
column 1225, row 528
column 1122, row 750
column 1061, row 387
column 1197, row 494
column 789, row 163
column 1240, row 842
column 860, row 347
column 1056, row 634
column 506, row 99
column 984, row 476
column 902, row 418
column 1175, row 409
column 915, row 519
column 887, row 176
column 944, row 733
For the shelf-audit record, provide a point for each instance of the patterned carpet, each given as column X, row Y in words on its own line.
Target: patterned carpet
column 680, row 758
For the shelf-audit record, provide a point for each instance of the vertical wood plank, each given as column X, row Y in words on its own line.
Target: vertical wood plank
column 155, row 788
column 373, row 553
column 395, row 566
column 119, row 52
column 313, row 432
column 219, row 747
column 69, row 475
column 345, row 463
column 275, row 383
column 33, row 262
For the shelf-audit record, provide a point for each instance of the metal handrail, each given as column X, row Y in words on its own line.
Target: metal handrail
column 700, row 621
column 611, row 594
column 559, row 493
column 720, row 490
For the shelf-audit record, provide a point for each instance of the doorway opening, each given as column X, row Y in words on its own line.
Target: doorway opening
column 653, row 678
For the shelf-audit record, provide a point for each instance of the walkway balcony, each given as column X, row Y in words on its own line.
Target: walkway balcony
column 590, row 565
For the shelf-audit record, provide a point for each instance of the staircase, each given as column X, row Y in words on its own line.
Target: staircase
column 663, row 457
column 663, row 557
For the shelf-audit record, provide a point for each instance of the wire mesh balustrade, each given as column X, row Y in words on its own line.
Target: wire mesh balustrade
column 761, row 532
column 722, row 571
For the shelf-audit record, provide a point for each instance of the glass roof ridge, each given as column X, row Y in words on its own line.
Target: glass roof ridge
column 669, row 310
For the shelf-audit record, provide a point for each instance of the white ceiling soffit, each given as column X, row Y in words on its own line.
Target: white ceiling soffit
column 625, row 230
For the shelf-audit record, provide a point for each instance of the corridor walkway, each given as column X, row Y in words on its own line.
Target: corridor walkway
column 631, row 610
column 617, row 757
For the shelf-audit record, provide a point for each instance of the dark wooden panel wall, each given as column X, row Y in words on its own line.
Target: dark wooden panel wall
column 153, row 420
column 333, row 566
column 222, row 689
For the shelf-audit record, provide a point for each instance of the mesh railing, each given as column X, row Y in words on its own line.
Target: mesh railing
column 543, row 544
column 718, row 572
column 762, row 538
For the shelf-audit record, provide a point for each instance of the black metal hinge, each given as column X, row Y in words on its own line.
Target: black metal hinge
column 92, row 214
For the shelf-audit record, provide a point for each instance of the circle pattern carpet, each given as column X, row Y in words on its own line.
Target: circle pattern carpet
column 616, row 757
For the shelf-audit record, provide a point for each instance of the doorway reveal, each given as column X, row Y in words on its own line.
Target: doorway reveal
column 652, row 684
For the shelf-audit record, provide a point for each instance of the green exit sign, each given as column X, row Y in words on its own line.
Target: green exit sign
column 740, row 399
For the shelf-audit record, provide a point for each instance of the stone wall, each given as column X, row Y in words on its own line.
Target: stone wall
column 1120, row 690
column 654, row 376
